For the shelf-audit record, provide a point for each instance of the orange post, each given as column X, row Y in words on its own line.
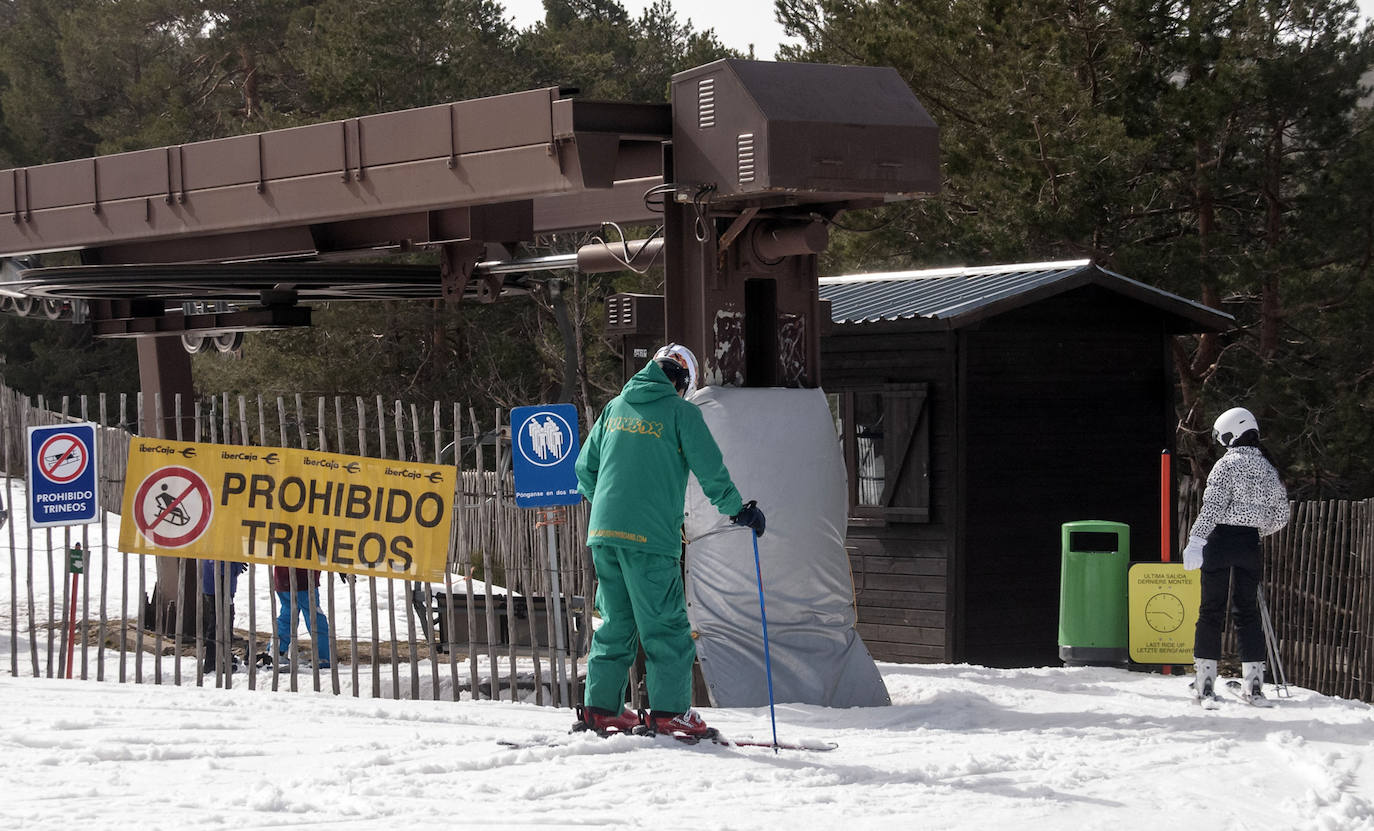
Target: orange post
column 1165, row 533
column 1165, row 530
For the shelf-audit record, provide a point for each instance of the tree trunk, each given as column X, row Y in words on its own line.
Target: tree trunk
column 570, row 345
column 251, row 103
column 1271, row 310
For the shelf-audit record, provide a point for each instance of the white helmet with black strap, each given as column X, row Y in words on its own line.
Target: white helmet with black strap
column 684, row 358
column 1233, row 424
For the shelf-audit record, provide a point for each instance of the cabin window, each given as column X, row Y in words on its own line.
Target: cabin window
column 884, row 432
column 868, row 447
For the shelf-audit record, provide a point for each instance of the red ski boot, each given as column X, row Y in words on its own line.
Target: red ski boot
column 687, row 726
column 604, row 722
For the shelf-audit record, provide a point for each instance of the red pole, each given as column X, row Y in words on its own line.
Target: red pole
column 71, row 627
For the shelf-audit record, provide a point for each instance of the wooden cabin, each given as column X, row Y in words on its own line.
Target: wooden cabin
column 980, row 409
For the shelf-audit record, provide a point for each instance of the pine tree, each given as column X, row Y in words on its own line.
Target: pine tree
column 1208, row 148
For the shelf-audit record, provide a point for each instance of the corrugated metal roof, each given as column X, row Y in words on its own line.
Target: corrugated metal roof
column 959, row 295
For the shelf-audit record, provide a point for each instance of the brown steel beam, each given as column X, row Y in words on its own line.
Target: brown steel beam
column 759, row 155
column 623, row 203
column 244, row 245
column 502, row 149
column 245, row 320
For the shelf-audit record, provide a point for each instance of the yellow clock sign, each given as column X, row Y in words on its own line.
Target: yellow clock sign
column 1162, row 602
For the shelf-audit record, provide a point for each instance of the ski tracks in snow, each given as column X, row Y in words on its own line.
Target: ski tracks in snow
column 1331, row 798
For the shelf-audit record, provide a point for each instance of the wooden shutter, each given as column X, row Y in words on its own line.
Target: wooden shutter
column 906, row 493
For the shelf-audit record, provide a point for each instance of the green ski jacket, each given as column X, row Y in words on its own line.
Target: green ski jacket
column 633, row 466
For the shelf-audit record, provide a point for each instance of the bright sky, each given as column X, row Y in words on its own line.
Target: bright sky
column 737, row 23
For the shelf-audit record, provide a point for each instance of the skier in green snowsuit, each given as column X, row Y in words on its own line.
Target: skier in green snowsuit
column 633, row 469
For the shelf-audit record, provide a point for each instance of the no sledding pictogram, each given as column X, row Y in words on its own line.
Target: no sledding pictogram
column 62, row 475
column 172, row 507
column 62, row 458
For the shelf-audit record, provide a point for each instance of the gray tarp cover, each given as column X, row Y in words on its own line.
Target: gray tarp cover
column 781, row 448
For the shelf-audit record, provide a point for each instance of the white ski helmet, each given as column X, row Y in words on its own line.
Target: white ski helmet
column 1232, row 424
column 684, row 357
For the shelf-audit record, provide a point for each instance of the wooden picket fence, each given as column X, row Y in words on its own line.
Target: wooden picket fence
column 1319, row 586
column 488, row 631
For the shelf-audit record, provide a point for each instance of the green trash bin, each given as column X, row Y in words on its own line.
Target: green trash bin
column 1092, row 593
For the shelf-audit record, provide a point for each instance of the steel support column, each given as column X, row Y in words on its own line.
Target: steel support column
column 164, row 371
column 749, row 311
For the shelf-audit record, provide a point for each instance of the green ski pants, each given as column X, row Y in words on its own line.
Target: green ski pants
column 640, row 597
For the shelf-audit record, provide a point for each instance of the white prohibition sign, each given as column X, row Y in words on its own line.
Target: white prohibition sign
column 173, row 506
column 545, row 439
column 62, row 458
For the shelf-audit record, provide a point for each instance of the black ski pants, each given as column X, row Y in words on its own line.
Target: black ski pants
column 1230, row 562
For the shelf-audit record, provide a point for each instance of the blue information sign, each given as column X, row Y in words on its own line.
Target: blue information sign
column 62, row 475
column 544, row 455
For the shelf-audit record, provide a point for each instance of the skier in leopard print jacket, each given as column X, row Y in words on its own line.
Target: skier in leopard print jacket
column 1244, row 500
column 1242, row 489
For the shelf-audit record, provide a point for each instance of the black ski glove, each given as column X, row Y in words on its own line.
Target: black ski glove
column 750, row 516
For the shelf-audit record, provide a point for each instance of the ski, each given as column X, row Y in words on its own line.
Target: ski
column 557, row 739
column 1206, row 702
column 537, row 741
column 813, row 746
column 565, row 741
column 1236, row 688
column 715, row 737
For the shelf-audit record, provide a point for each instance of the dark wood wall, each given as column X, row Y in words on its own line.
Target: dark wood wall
column 1051, row 413
column 1067, row 407
column 901, row 568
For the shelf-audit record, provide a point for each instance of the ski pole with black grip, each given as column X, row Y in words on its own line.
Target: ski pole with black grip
column 767, row 661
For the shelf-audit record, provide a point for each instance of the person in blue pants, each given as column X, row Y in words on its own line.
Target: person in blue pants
column 215, row 574
column 298, row 593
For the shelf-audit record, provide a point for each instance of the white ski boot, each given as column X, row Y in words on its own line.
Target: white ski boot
column 1204, row 684
column 1252, row 684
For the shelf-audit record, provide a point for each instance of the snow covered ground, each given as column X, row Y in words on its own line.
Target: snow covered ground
column 961, row 747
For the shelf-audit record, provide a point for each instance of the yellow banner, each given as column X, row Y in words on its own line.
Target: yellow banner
column 286, row 507
column 1163, row 600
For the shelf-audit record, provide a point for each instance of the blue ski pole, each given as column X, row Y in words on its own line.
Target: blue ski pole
column 767, row 660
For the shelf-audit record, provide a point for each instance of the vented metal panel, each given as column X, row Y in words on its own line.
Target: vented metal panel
column 706, row 103
column 797, row 133
column 634, row 314
column 744, row 151
column 620, row 311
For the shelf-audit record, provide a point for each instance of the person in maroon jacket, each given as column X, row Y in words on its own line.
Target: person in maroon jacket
column 298, row 592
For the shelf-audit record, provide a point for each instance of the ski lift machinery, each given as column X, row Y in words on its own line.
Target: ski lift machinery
column 743, row 172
